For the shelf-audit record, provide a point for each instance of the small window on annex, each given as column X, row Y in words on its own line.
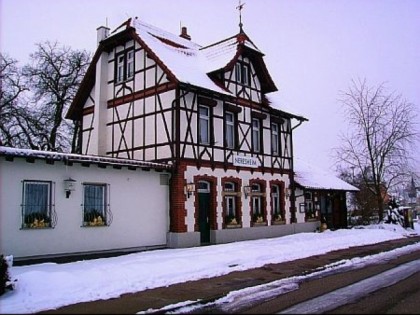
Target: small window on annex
column 37, row 204
column 230, row 192
column 95, row 204
column 310, row 207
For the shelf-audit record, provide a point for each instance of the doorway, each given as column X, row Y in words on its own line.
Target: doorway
column 204, row 206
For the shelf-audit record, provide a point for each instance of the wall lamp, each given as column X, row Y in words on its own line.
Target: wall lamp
column 189, row 189
column 69, row 186
column 247, row 191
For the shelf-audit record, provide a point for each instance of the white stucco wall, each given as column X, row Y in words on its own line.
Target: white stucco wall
column 138, row 202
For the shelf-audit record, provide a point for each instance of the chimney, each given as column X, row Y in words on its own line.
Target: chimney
column 102, row 32
column 184, row 33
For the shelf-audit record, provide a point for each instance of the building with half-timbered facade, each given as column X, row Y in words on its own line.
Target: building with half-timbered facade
column 179, row 145
column 206, row 111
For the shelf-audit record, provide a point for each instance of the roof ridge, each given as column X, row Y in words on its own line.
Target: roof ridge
column 219, row 42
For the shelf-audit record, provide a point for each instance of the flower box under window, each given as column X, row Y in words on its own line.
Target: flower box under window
column 278, row 219
column 258, row 220
column 36, row 220
column 93, row 218
column 233, row 226
column 232, row 222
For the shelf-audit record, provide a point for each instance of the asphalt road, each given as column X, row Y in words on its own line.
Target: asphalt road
column 400, row 298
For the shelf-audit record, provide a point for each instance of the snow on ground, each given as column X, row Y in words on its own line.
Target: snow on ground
column 49, row 285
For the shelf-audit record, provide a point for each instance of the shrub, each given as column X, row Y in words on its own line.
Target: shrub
column 4, row 275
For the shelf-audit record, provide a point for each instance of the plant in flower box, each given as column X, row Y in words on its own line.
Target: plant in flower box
column 93, row 218
column 37, row 220
column 278, row 217
column 258, row 218
column 231, row 220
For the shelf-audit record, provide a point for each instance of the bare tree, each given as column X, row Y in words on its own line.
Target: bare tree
column 382, row 127
column 53, row 77
column 11, row 89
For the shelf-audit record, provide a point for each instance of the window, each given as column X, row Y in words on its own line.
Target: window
column 125, row 66
column 242, row 73
column 232, row 217
column 130, row 64
column 231, row 207
column 95, row 204
column 230, row 200
column 204, row 125
column 310, row 210
column 120, row 68
column 256, row 135
column 257, row 213
column 274, row 139
column 203, row 187
column 275, row 199
column 278, row 213
column 37, row 204
column 230, row 130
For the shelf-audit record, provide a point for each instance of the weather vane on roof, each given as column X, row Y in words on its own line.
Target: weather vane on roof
column 240, row 7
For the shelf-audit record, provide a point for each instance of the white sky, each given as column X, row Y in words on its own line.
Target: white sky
column 49, row 285
column 312, row 48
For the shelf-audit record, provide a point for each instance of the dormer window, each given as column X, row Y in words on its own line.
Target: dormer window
column 125, row 66
column 242, row 73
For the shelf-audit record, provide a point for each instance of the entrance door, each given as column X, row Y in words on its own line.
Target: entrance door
column 204, row 211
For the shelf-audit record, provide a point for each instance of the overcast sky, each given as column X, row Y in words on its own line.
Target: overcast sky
column 313, row 49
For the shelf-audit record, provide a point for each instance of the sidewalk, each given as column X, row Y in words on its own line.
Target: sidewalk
column 213, row 288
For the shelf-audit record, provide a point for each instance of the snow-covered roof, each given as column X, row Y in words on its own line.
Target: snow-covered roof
column 182, row 57
column 220, row 54
column 274, row 100
column 185, row 61
column 312, row 177
column 79, row 158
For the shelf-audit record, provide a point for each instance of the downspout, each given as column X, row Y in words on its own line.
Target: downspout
column 292, row 186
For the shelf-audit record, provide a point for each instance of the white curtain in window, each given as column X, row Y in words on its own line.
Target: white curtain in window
column 36, row 198
column 94, row 198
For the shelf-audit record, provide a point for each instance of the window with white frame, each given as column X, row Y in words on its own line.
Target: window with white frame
column 232, row 217
column 278, row 213
column 242, row 73
column 37, row 204
column 130, row 64
column 204, row 124
column 256, row 135
column 257, row 212
column 95, row 204
column 274, row 139
column 125, row 66
column 230, row 206
column 230, row 130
